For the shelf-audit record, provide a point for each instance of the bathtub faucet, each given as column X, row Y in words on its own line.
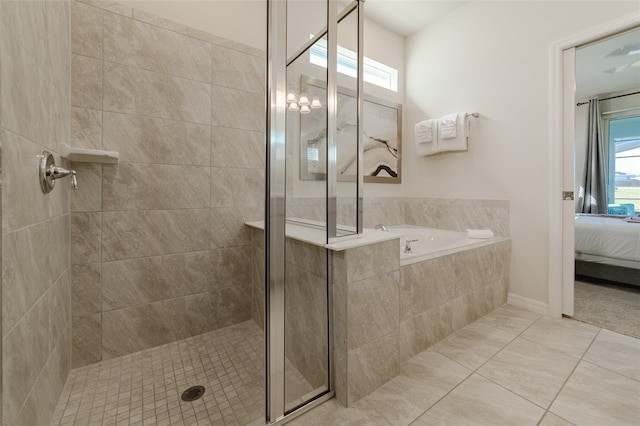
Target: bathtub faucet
column 381, row 227
column 407, row 246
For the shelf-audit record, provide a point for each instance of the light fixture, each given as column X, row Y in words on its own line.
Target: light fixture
column 300, row 102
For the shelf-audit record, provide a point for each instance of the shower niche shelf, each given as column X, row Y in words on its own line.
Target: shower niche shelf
column 86, row 155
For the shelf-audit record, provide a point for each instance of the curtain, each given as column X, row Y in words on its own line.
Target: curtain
column 593, row 189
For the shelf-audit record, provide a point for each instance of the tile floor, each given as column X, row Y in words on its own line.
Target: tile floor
column 511, row 367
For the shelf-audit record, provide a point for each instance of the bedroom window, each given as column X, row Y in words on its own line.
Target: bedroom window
column 624, row 162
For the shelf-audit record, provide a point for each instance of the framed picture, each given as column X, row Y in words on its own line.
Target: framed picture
column 382, row 136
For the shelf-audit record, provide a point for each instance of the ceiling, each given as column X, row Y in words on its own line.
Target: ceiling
column 609, row 66
column 405, row 17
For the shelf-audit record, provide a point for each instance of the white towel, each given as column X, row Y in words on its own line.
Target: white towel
column 426, row 137
column 460, row 140
column 479, row 233
column 447, row 126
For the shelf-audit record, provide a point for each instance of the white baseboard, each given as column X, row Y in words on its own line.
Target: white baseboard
column 528, row 304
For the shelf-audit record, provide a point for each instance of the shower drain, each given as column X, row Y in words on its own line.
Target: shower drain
column 193, row 393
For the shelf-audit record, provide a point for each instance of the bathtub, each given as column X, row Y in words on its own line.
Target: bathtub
column 432, row 243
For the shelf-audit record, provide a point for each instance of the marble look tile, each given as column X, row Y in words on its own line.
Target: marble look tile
column 20, row 171
column 229, row 306
column 24, row 103
column 86, row 30
column 468, row 271
column 425, row 285
column 551, row 419
column 306, row 299
column 473, row 345
column 593, row 395
column 88, row 196
column 135, row 43
column 237, row 109
column 510, row 318
column 237, row 187
column 134, row 234
column 24, row 352
column 332, row 413
column 86, row 128
column 388, row 211
column 615, row 352
column 309, row 257
column 498, row 406
column 58, row 298
column 237, row 148
column 189, row 315
column 140, row 281
column 110, row 6
column 418, row 333
column 530, row 370
column 307, row 352
column 154, row 187
column 150, row 140
column 228, row 228
column 221, row 41
column 149, row 18
column 85, row 237
column 41, row 402
column 86, row 82
column 141, row 92
column 566, row 335
column 372, row 309
column 238, row 70
column 231, row 267
column 372, row 365
column 87, row 340
column 23, row 282
column 86, row 289
column 257, row 308
column 369, row 261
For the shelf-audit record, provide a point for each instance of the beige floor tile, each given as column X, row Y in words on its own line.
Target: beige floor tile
column 551, row 419
column 595, row 396
column 331, row 413
column 616, row 352
column 473, row 345
column 533, row 371
column 510, row 318
column 477, row 401
column 566, row 335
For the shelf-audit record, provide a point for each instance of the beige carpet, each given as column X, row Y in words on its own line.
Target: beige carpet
column 616, row 308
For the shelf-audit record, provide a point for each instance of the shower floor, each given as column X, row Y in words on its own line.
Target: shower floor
column 144, row 388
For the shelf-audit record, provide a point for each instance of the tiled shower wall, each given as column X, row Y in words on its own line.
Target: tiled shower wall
column 36, row 281
column 159, row 249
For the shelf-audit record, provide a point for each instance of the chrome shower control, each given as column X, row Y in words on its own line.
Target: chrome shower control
column 49, row 172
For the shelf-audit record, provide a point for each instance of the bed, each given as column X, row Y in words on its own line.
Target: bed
column 607, row 247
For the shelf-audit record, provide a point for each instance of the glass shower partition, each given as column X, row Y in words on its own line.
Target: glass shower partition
column 314, row 188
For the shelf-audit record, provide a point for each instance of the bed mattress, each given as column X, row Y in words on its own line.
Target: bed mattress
column 608, row 237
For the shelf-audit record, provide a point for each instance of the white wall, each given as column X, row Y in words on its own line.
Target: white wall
column 493, row 58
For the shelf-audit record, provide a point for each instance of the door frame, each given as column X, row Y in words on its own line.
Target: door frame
column 561, row 163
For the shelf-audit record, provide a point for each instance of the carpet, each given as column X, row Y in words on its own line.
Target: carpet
column 610, row 306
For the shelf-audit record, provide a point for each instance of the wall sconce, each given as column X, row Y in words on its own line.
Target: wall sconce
column 302, row 103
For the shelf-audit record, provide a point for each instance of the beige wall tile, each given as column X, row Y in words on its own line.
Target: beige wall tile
column 231, row 267
column 131, row 234
column 134, row 43
column 86, row 30
column 230, row 305
column 86, row 78
column 307, row 353
column 149, row 18
column 373, row 309
column 228, row 228
column 86, row 234
column 237, row 148
column 59, row 300
column 86, row 289
column 110, row 6
column 188, row 315
column 237, row 109
column 86, row 128
column 87, row 340
column 306, row 299
column 141, row 92
column 238, row 70
column 88, row 195
column 369, row 261
column 237, row 187
column 372, row 365
column 155, row 187
column 418, row 333
column 149, row 140
column 139, row 281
